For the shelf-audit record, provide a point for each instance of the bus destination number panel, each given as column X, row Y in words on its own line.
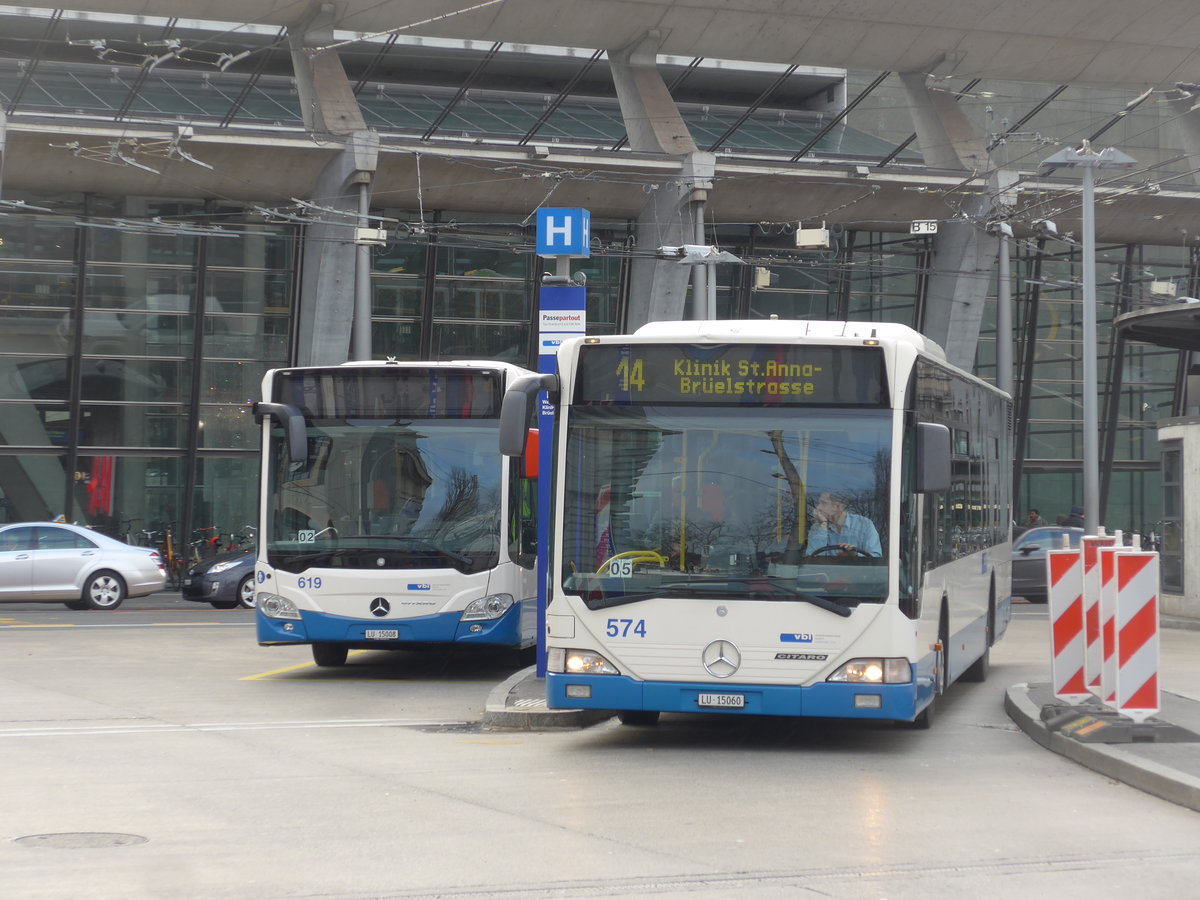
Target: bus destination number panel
column 731, row 375
column 385, row 394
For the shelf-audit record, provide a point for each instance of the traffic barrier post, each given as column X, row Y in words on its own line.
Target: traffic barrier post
column 1094, row 651
column 1137, row 683
column 1108, row 620
column 1064, row 600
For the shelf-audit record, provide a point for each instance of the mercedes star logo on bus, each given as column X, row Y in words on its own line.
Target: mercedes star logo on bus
column 721, row 659
column 380, row 607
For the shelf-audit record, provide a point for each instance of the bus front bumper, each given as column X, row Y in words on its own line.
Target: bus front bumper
column 832, row 700
column 440, row 628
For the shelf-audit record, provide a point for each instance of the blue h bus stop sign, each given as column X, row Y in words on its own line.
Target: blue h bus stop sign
column 562, row 312
column 564, row 232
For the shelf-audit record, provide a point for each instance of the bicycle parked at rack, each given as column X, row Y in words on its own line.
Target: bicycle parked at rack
column 243, row 540
column 207, row 540
column 164, row 541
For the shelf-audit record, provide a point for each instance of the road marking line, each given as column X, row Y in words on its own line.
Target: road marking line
column 168, row 728
column 262, row 675
column 130, row 625
column 308, row 665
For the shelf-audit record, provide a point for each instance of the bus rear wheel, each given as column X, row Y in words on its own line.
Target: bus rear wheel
column 646, row 717
column 977, row 672
column 330, row 654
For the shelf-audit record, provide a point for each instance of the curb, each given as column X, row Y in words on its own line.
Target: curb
column 519, row 703
column 1184, row 623
column 1111, row 760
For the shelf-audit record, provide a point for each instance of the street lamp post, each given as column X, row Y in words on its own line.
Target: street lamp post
column 1004, row 338
column 1089, row 161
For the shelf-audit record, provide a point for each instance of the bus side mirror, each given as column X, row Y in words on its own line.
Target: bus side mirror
column 291, row 420
column 516, row 409
column 933, row 458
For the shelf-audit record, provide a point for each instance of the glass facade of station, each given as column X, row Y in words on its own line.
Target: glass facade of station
column 129, row 356
column 133, row 334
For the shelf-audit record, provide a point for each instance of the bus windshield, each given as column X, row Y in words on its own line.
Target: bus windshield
column 418, row 494
column 714, row 501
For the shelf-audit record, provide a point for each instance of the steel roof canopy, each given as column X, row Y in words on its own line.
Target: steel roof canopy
column 1176, row 326
column 1059, row 41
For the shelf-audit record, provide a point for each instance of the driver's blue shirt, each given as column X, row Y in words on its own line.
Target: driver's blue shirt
column 857, row 531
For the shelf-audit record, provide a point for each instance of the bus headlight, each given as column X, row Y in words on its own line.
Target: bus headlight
column 492, row 606
column 582, row 662
column 275, row 607
column 874, row 671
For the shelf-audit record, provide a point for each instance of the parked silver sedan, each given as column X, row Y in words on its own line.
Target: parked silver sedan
column 49, row 561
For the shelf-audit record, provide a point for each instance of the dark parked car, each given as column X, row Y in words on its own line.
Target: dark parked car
column 75, row 565
column 1029, row 558
column 225, row 580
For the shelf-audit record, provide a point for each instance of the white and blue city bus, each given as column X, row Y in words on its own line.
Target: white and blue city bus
column 791, row 518
column 389, row 518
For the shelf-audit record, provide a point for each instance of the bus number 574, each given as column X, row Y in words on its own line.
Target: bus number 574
column 623, row 627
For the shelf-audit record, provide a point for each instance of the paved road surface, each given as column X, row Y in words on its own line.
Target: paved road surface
column 160, row 753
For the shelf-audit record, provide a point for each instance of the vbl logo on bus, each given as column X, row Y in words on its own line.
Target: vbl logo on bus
column 794, row 637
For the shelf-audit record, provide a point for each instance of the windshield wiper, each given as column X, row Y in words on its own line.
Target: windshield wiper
column 794, row 593
column 758, row 589
column 617, row 599
column 451, row 555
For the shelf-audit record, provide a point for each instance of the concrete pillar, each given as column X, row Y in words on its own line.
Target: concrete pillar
column 964, row 255
column 658, row 288
column 945, row 136
column 327, row 101
column 674, row 210
column 33, row 484
column 652, row 119
column 328, row 273
column 3, row 146
column 328, row 279
column 1187, row 122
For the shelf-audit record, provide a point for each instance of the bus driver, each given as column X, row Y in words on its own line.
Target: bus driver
column 834, row 526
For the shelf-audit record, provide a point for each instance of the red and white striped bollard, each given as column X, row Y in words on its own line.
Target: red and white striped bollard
column 1137, row 690
column 1093, row 655
column 1064, row 601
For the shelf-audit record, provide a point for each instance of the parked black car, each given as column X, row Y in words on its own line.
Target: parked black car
column 225, row 580
column 1029, row 558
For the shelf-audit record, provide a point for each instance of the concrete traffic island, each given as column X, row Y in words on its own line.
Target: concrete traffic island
column 519, row 703
column 1160, row 756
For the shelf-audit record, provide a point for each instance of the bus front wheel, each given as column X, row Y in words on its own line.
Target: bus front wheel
column 330, row 654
